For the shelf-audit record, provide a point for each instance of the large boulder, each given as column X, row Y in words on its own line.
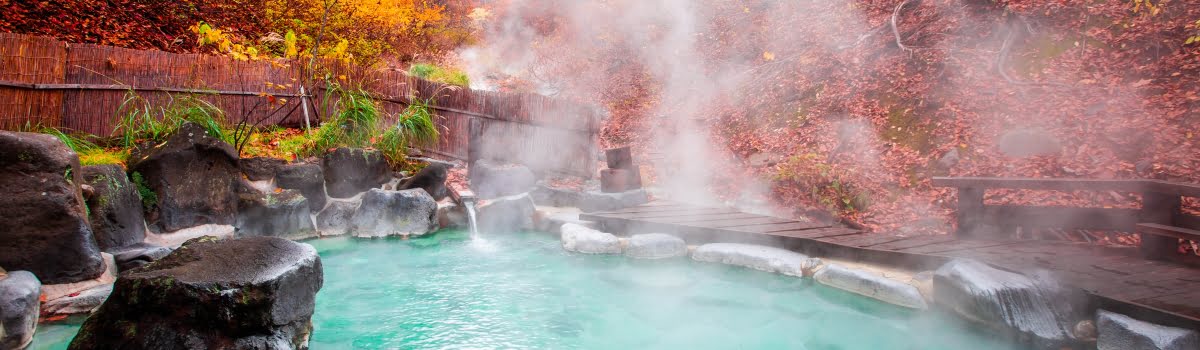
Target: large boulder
column 335, row 219
column 1120, row 332
column 193, row 176
column 505, row 214
column 350, row 171
column 308, row 178
column 762, row 258
column 491, row 180
column 1040, row 312
column 280, row 214
column 43, row 221
column 598, row 201
column 580, row 239
column 19, row 292
column 431, row 178
column 115, row 207
column 556, row 197
column 871, row 285
column 655, row 246
column 385, row 213
column 261, row 168
column 248, row 293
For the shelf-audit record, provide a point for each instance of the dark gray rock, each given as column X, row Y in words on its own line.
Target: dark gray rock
column 1038, row 311
column 194, row 176
column 43, row 220
column 385, row 213
column 597, row 201
column 248, row 293
column 19, row 293
column 431, row 178
column 350, row 171
column 308, row 178
column 556, row 197
column 335, row 219
column 115, row 207
column 492, row 180
column 1120, row 332
column 451, row 215
column 505, row 214
column 133, row 256
column 1028, row 143
column 261, row 168
column 283, row 214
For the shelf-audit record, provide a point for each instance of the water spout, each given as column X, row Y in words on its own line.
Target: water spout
column 468, row 200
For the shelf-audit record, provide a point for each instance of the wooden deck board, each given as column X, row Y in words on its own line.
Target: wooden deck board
column 739, row 223
column 790, row 226
column 1115, row 274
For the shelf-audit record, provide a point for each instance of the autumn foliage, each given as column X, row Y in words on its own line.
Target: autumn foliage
column 367, row 32
column 841, row 112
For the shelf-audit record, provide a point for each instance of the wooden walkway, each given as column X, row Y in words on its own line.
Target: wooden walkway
column 1117, row 279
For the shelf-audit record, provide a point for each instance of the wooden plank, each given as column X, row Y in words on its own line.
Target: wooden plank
column 913, row 242
column 692, row 219
column 816, row 233
column 863, row 240
column 1060, row 217
column 1042, row 184
column 789, row 226
column 954, row 245
column 737, row 224
column 677, row 213
column 651, row 209
column 1186, row 303
column 1168, row 231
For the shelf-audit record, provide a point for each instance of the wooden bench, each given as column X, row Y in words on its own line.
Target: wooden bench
column 1160, row 217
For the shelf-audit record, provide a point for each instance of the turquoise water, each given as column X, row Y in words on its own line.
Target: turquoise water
column 523, row 291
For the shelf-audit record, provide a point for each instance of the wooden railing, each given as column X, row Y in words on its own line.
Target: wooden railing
column 1161, row 204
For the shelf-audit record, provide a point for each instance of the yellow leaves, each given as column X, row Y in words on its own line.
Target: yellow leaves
column 1149, row 6
column 289, row 44
column 767, row 55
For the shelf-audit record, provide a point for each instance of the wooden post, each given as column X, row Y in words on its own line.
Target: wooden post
column 970, row 208
column 1159, row 208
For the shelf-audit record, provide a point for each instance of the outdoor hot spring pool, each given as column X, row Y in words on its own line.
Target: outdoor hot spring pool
column 523, row 291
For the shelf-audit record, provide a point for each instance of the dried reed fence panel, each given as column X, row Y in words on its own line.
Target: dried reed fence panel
column 27, row 60
column 156, row 79
column 84, row 88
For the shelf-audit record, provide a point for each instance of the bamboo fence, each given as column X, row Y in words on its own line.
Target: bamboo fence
column 83, row 87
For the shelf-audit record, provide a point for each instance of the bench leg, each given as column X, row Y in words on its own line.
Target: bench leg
column 970, row 207
column 1159, row 208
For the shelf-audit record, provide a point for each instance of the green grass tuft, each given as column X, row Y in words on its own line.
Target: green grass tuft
column 435, row 73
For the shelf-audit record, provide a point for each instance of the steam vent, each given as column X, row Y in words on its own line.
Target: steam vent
column 616, row 174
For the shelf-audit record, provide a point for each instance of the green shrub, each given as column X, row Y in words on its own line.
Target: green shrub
column 149, row 198
column 360, row 123
column 138, row 120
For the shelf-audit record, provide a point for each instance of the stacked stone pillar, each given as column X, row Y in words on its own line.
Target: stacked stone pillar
column 622, row 175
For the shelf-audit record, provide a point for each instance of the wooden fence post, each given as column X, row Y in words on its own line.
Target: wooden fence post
column 1159, row 208
column 970, row 210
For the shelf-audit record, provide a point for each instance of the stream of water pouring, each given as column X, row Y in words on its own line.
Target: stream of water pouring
column 471, row 218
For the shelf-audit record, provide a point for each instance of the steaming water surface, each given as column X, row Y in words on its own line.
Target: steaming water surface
column 523, row 291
